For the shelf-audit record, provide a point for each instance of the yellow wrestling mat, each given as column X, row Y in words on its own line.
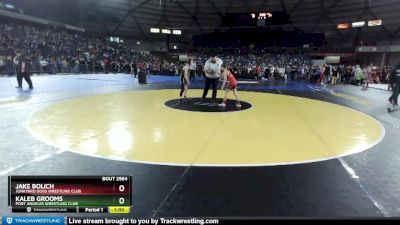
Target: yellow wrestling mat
column 136, row 126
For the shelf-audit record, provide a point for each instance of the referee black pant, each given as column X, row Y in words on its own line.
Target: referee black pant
column 211, row 82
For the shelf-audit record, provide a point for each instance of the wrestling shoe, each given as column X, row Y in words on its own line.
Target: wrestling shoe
column 222, row 104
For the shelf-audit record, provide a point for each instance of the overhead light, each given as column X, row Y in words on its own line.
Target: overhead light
column 343, row 26
column 373, row 23
column 166, row 31
column 121, row 41
column 9, row 6
column 358, row 24
column 177, row 32
column 138, row 42
column 114, row 39
column 154, row 30
column 175, row 47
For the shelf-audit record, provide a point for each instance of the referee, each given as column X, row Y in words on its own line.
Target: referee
column 212, row 70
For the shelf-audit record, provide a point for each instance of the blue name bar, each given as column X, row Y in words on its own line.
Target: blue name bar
column 33, row 220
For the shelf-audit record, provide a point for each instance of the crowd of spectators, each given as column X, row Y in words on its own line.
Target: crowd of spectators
column 53, row 50
column 349, row 74
column 266, row 64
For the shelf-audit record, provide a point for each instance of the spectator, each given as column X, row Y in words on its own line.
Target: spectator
column 23, row 69
column 2, row 63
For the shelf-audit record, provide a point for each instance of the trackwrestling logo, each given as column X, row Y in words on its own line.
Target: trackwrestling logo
column 33, row 220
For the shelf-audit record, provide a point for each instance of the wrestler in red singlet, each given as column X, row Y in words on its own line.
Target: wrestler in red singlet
column 231, row 86
column 232, row 81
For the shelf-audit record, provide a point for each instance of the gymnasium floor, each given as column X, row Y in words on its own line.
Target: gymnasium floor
column 290, row 153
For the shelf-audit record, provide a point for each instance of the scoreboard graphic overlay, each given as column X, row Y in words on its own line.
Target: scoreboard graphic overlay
column 74, row 194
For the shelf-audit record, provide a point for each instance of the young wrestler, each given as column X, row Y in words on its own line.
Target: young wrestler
column 230, row 84
column 184, row 81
